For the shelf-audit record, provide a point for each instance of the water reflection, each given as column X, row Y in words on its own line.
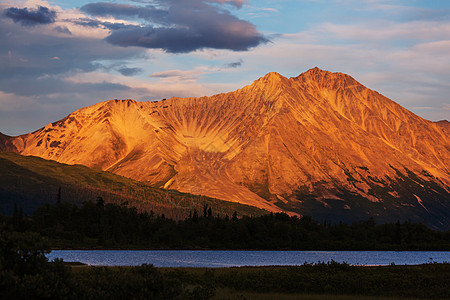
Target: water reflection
column 227, row 258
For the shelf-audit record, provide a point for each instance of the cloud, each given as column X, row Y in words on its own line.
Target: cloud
column 235, row 64
column 236, row 3
column 63, row 29
column 48, row 86
column 129, row 71
column 262, row 12
column 93, row 23
column 184, row 40
column 179, row 26
column 404, row 12
column 86, row 22
column 384, row 31
column 103, row 9
column 27, row 55
column 178, row 74
column 30, row 17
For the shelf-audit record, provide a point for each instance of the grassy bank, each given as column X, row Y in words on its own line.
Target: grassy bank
column 423, row 281
column 319, row 281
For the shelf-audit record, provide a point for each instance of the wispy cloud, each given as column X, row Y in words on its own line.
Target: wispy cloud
column 236, row 3
column 178, row 74
column 234, row 64
column 129, row 71
column 385, row 31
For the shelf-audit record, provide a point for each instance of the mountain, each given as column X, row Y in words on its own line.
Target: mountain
column 320, row 144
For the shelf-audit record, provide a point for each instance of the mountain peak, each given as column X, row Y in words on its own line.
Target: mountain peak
column 272, row 79
column 317, row 73
column 323, row 78
column 273, row 76
column 317, row 70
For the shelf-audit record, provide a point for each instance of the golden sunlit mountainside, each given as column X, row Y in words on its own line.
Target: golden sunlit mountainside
column 320, row 144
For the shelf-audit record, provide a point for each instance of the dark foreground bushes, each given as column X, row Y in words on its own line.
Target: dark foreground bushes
column 25, row 273
column 144, row 282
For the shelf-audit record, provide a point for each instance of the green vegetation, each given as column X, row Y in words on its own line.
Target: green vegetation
column 32, row 181
column 112, row 226
column 423, row 281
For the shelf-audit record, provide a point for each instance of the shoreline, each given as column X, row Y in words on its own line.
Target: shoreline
column 267, row 250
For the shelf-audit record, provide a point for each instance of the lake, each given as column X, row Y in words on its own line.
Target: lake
column 232, row 258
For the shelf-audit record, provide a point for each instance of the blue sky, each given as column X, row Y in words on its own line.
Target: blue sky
column 59, row 56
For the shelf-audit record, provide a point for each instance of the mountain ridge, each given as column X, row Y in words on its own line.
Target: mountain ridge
column 279, row 143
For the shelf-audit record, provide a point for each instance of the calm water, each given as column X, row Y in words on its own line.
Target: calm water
column 227, row 258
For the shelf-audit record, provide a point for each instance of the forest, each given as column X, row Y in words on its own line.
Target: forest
column 96, row 225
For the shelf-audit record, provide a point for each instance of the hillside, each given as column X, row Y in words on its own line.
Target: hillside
column 31, row 181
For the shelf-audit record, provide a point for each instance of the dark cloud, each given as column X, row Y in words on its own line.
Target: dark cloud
column 237, row 3
column 179, row 26
column 98, row 24
column 51, row 85
column 88, row 22
column 148, row 12
column 182, row 40
column 30, row 17
column 129, row 71
column 235, row 64
column 63, row 29
column 114, row 26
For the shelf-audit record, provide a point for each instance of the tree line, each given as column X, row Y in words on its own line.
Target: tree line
column 96, row 225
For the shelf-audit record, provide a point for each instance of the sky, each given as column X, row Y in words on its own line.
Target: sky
column 59, row 56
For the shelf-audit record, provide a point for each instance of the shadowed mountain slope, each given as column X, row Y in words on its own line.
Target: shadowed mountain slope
column 29, row 182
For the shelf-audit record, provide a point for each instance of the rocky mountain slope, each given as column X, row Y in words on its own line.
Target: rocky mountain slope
column 319, row 144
